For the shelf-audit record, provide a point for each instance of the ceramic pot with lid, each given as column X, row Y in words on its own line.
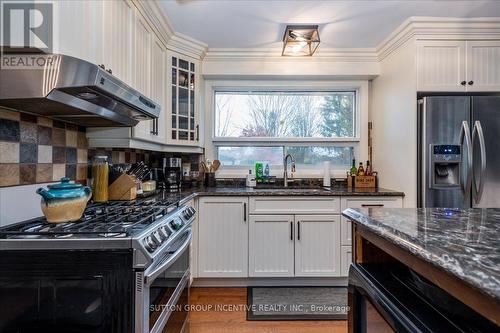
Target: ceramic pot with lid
column 64, row 201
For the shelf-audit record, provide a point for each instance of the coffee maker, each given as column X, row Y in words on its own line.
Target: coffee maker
column 173, row 173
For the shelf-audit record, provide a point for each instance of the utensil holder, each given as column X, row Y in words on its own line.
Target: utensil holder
column 123, row 188
column 210, row 179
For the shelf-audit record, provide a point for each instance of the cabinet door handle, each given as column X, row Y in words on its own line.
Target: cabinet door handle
column 197, row 132
column 244, row 212
column 372, row 205
column 291, row 230
column 471, row 83
column 298, row 230
column 463, row 83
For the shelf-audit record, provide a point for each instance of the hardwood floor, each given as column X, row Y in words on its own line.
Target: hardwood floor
column 208, row 320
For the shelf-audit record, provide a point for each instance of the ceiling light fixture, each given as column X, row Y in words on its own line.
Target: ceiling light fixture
column 300, row 40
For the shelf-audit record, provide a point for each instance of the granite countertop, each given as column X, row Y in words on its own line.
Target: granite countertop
column 290, row 191
column 464, row 243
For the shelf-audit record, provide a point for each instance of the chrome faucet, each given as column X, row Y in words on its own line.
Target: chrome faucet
column 285, row 167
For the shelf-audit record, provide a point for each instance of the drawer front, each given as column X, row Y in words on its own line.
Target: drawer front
column 368, row 202
column 295, row 205
column 364, row 202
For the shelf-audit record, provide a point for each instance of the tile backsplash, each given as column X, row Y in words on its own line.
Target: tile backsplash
column 40, row 150
column 35, row 150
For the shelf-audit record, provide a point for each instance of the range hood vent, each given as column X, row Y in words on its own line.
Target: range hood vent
column 72, row 90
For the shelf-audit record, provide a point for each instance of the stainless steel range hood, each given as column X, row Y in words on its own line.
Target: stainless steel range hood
column 72, row 90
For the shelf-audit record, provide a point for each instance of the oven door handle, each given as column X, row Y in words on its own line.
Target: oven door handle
column 150, row 276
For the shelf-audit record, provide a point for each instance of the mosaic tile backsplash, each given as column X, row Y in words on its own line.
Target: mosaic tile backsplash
column 40, row 150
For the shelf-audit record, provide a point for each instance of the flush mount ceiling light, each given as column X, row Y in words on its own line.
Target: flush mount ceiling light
column 300, row 40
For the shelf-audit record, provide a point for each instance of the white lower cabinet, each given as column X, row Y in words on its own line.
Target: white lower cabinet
column 346, row 226
column 223, row 237
column 345, row 260
column 242, row 237
column 317, row 242
column 294, row 245
column 271, row 246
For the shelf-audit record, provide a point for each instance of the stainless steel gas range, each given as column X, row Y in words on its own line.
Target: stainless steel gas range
column 124, row 267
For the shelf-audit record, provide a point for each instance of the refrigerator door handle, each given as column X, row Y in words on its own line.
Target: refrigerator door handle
column 465, row 134
column 479, row 185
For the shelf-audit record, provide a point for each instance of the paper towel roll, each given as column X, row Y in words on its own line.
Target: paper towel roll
column 326, row 174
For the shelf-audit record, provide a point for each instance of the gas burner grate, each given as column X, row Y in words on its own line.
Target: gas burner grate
column 115, row 219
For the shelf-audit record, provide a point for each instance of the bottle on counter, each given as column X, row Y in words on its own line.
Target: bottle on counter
column 361, row 170
column 251, row 182
column 100, row 173
column 354, row 171
column 368, row 171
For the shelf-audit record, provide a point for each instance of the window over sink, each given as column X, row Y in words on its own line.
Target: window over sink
column 265, row 120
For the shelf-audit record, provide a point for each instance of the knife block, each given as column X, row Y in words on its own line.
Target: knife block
column 123, row 188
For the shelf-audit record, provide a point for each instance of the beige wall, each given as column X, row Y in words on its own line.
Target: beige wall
column 393, row 111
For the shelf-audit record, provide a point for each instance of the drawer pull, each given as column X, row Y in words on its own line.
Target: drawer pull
column 372, row 205
column 244, row 212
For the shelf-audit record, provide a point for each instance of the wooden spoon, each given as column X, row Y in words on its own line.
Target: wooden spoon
column 215, row 165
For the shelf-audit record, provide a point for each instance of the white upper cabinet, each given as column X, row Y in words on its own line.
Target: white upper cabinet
column 483, row 65
column 458, row 65
column 78, row 29
column 441, row 66
column 317, row 250
column 117, row 38
column 183, row 94
column 142, row 70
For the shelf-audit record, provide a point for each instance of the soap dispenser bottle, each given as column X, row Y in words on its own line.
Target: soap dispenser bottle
column 251, row 182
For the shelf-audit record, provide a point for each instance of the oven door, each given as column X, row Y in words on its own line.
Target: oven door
column 162, row 302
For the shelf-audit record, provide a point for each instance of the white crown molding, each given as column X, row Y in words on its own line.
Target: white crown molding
column 188, row 46
column 274, row 54
column 413, row 27
column 172, row 39
column 439, row 28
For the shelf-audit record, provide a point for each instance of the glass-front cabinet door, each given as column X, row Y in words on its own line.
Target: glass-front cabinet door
column 183, row 124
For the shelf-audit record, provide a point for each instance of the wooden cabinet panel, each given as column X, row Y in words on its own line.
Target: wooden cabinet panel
column 271, row 245
column 223, row 237
column 483, row 65
column 317, row 250
column 441, row 66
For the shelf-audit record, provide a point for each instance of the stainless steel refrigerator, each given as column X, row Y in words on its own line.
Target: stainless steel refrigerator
column 459, row 151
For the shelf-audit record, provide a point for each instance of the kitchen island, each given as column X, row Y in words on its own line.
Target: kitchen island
column 454, row 252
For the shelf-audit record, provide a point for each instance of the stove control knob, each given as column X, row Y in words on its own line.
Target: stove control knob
column 186, row 214
column 162, row 233
column 150, row 244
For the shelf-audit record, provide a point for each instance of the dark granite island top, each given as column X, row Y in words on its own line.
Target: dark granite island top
column 462, row 243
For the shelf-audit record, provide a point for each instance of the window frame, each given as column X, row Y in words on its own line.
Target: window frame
column 359, row 142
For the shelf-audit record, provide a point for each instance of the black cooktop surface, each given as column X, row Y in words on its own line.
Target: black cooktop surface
column 100, row 220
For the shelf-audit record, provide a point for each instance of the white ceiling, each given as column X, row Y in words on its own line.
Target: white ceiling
column 343, row 24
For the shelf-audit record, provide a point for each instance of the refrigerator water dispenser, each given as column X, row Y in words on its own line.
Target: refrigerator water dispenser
column 445, row 166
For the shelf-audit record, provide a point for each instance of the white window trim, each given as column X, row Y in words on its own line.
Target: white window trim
column 359, row 142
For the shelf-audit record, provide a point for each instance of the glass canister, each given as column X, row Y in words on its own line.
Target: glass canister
column 100, row 173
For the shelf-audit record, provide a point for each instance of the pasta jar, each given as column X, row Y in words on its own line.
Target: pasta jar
column 100, row 172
